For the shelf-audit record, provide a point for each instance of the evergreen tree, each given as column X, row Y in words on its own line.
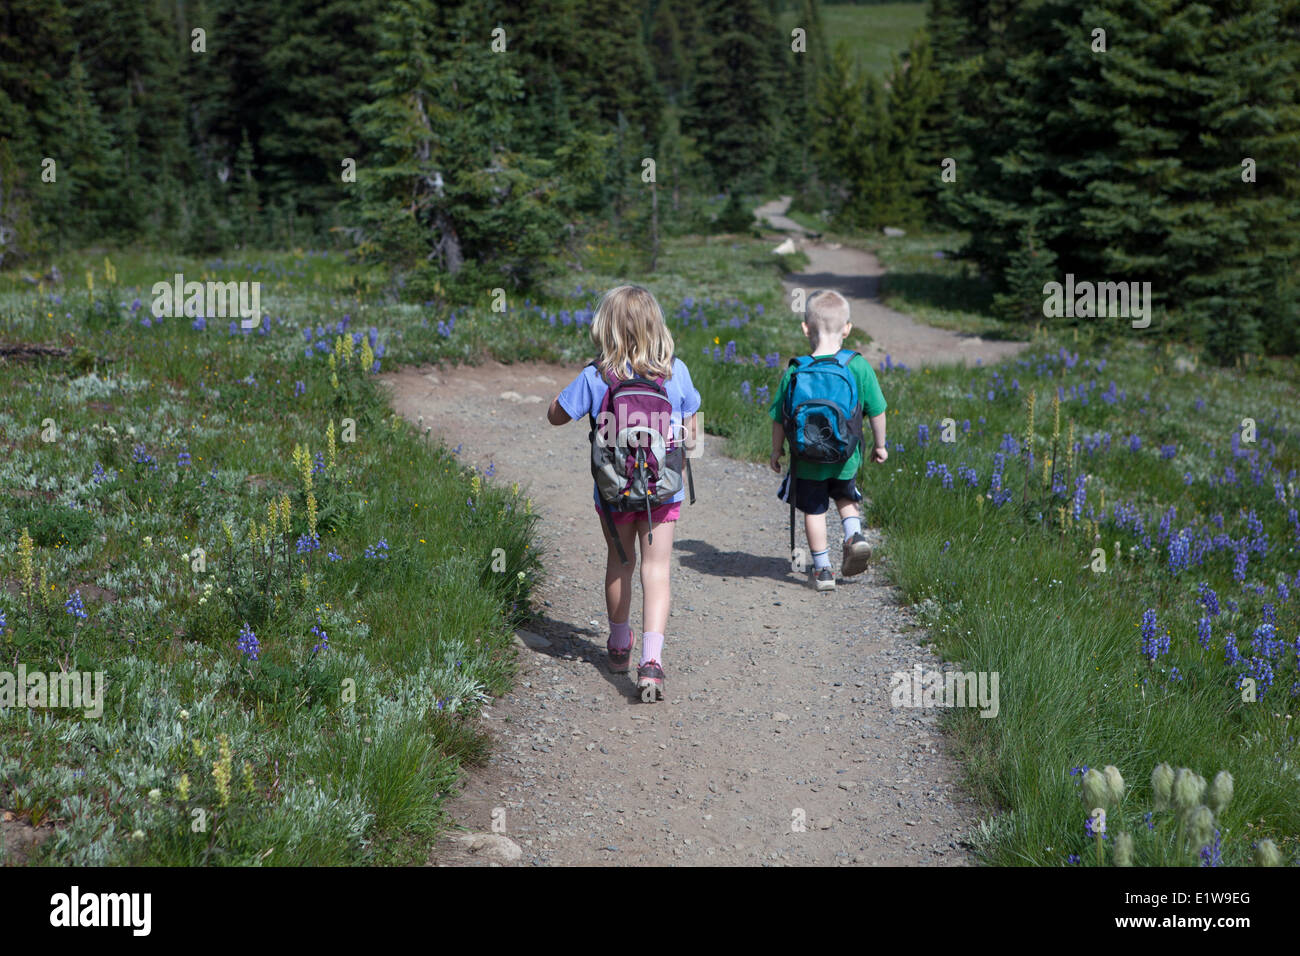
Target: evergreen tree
column 87, row 160
column 442, row 184
column 735, row 109
column 1137, row 175
column 319, row 64
column 667, row 53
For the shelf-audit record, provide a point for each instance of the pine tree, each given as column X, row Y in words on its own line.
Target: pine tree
column 318, row 65
column 246, row 194
column 87, row 159
column 442, row 184
column 1137, row 175
column 735, row 109
column 35, row 41
column 667, row 53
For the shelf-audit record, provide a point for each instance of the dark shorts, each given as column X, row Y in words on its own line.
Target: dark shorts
column 812, row 496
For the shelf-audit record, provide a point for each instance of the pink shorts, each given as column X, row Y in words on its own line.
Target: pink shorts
column 661, row 515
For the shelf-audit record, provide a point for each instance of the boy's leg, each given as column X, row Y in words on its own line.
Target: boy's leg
column 857, row 552
column 815, row 527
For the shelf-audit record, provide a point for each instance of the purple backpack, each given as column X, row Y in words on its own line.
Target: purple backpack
column 636, row 458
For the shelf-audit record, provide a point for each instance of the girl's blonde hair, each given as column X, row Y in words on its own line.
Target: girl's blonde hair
column 630, row 332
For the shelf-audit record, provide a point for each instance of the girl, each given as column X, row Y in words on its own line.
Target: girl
column 632, row 338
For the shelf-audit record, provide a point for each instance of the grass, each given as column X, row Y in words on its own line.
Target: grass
column 1018, row 589
column 1004, row 578
column 874, row 32
column 337, row 744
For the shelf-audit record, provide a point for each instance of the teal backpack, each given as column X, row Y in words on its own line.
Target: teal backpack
column 822, row 414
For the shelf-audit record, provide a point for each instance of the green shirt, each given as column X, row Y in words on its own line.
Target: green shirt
column 873, row 404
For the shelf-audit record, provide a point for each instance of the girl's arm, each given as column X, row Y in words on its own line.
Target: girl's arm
column 557, row 415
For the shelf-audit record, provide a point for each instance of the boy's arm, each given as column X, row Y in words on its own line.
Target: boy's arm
column 879, row 452
column 778, row 445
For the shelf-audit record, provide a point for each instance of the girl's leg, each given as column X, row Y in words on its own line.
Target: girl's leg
column 656, row 596
column 655, row 565
column 618, row 576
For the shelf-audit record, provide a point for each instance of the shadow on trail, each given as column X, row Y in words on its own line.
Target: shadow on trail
column 587, row 643
column 705, row 558
column 853, row 286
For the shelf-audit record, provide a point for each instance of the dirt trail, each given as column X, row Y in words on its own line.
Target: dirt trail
column 777, row 707
column 856, row 275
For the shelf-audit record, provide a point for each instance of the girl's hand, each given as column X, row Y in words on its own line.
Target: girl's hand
column 776, row 462
column 879, row 453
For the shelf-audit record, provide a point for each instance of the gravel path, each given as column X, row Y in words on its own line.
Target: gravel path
column 856, row 275
column 776, row 744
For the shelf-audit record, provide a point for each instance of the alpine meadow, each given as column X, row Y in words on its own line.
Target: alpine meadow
column 296, row 569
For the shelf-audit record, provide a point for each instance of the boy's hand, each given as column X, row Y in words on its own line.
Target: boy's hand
column 776, row 462
column 879, row 453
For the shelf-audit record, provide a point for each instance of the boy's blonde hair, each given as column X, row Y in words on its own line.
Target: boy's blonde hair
column 826, row 314
column 630, row 333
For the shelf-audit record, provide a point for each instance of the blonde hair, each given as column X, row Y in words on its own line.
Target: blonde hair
column 630, row 333
column 826, row 314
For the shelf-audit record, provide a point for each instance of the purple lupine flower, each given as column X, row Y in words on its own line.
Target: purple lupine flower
column 307, row 543
column 1080, row 495
column 1265, row 642
column 1261, row 671
column 1154, row 641
column 1203, row 633
column 1231, row 655
column 1178, row 552
column 248, row 643
column 183, row 459
column 1210, row 855
column 323, row 641
column 1239, row 564
column 379, row 550
column 74, row 606
column 97, row 475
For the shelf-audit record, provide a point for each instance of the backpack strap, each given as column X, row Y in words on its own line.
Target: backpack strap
column 613, row 531
column 844, row 357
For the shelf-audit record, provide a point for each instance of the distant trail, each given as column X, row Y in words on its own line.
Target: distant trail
column 777, row 744
column 856, row 275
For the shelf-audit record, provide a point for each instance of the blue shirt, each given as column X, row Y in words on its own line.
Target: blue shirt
column 582, row 397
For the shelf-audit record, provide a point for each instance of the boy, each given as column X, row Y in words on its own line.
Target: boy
column 826, row 324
